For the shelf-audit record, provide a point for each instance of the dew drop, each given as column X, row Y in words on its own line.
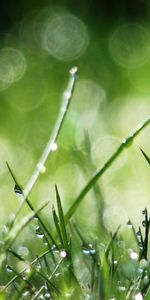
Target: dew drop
column 18, row 190
column 134, row 255
column 47, row 296
column 88, row 249
column 37, row 265
column 63, row 254
column 138, row 234
column 45, row 241
column 26, row 294
column 41, row 168
column 54, row 248
column 67, row 95
column 9, row 269
column 73, row 71
column 138, row 296
column 39, row 232
column 27, row 270
column 57, row 274
column 53, row 146
column 144, row 223
column 129, row 224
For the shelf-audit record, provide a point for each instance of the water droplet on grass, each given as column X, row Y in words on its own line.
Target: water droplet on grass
column 45, row 241
column 47, row 296
column 53, row 146
column 9, row 269
column 144, row 223
column 63, row 254
column 138, row 296
column 18, row 190
column 129, row 224
column 39, row 232
column 41, row 168
column 26, row 294
column 54, row 248
column 88, row 249
column 67, row 95
column 134, row 255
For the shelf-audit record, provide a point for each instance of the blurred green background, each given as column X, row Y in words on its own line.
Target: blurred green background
column 109, row 41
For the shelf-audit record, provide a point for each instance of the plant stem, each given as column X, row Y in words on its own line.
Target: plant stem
column 55, row 134
column 125, row 143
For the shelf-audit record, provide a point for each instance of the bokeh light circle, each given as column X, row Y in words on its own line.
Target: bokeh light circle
column 12, row 66
column 114, row 216
column 65, row 36
column 130, row 45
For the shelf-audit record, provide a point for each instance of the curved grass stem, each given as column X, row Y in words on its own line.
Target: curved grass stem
column 55, row 134
column 124, row 144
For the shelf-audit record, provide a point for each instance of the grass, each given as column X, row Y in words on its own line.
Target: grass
column 68, row 264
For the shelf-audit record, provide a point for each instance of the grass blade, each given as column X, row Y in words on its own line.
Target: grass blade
column 56, row 221
column 14, row 234
column 146, row 156
column 62, row 220
column 55, row 134
column 18, row 188
column 125, row 143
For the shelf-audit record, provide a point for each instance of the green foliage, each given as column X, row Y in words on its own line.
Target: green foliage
column 68, row 263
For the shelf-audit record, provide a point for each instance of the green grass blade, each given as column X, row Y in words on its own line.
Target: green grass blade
column 146, row 156
column 62, row 220
column 67, row 96
column 18, row 188
column 18, row 229
column 111, row 242
column 125, row 143
column 57, row 225
column 12, row 280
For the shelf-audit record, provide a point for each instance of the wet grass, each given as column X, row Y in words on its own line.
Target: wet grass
column 69, row 264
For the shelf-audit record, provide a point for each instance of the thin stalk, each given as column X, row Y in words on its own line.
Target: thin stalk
column 12, row 280
column 125, row 143
column 40, row 167
column 48, row 278
column 55, row 134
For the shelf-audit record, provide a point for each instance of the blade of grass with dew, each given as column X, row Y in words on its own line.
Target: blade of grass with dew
column 16, row 231
column 12, row 280
column 22, row 286
column 18, row 187
column 49, row 278
column 146, row 156
column 56, row 132
column 66, row 99
column 125, row 143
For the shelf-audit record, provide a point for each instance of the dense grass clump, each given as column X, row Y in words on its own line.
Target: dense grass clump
column 61, row 261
